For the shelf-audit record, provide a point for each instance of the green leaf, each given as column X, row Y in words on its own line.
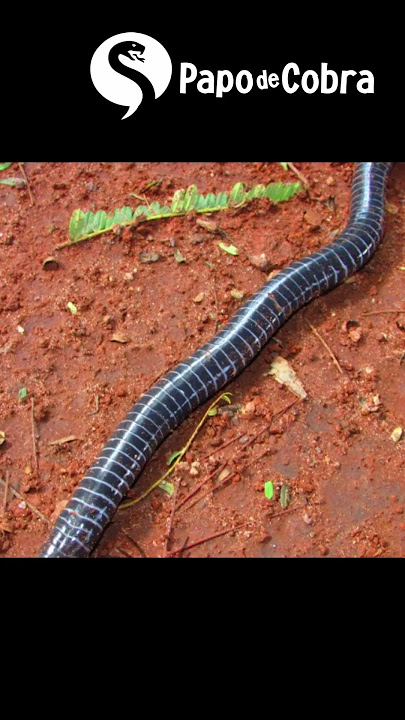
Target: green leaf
column 73, row 309
column 122, row 216
column 4, row 166
column 237, row 194
column 212, row 412
column 22, row 394
column 167, row 487
column 75, row 225
column 285, row 496
column 284, row 166
column 178, row 201
column 230, row 249
column 173, row 457
column 280, row 192
column 190, row 198
column 269, row 490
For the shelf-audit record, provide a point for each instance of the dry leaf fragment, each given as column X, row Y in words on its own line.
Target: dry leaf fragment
column 120, row 338
column 282, row 371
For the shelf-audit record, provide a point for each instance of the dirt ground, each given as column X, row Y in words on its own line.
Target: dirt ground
column 331, row 456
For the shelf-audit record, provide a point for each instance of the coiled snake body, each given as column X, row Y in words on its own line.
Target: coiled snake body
column 163, row 407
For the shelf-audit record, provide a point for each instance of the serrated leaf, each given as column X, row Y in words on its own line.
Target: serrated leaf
column 230, row 249
column 4, row 166
column 269, row 490
column 173, row 456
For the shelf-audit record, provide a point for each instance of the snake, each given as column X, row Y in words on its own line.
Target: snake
column 192, row 382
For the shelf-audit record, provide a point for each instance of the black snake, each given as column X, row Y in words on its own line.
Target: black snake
column 163, row 407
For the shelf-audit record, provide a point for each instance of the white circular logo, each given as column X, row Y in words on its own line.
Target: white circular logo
column 131, row 67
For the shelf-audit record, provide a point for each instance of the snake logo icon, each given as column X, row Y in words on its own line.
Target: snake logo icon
column 131, row 67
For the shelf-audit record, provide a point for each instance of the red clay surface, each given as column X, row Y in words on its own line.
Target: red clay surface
column 334, row 450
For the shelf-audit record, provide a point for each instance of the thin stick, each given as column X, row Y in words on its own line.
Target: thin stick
column 20, row 165
column 299, row 175
column 203, row 540
column 138, row 547
column 278, row 414
column 30, row 505
column 124, row 552
column 383, row 312
column 34, row 440
column 218, row 323
column 200, row 485
column 326, row 346
column 94, row 412
column 169, row 532
column 217, row 487
column 6, row 492
column 221, row 447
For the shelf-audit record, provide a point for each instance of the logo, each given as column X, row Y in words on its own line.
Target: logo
column 130, row 68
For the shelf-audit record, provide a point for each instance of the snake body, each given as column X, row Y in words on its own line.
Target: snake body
column 92, row 506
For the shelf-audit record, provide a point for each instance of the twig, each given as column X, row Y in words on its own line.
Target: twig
column 24, row 499
column 278, row 414
column 94, row 412
column 200, row 485
column 299, row 175
column 283, row 512
column 131, row 539
column 217, row 487
column 383, row 312
column 325, row 345
column 169, row 531
column 20, row 165
column 218, row 323
column 221, row 447
column 203, row 540
column 124, row 552
column 6, row 492
column 34, row 440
